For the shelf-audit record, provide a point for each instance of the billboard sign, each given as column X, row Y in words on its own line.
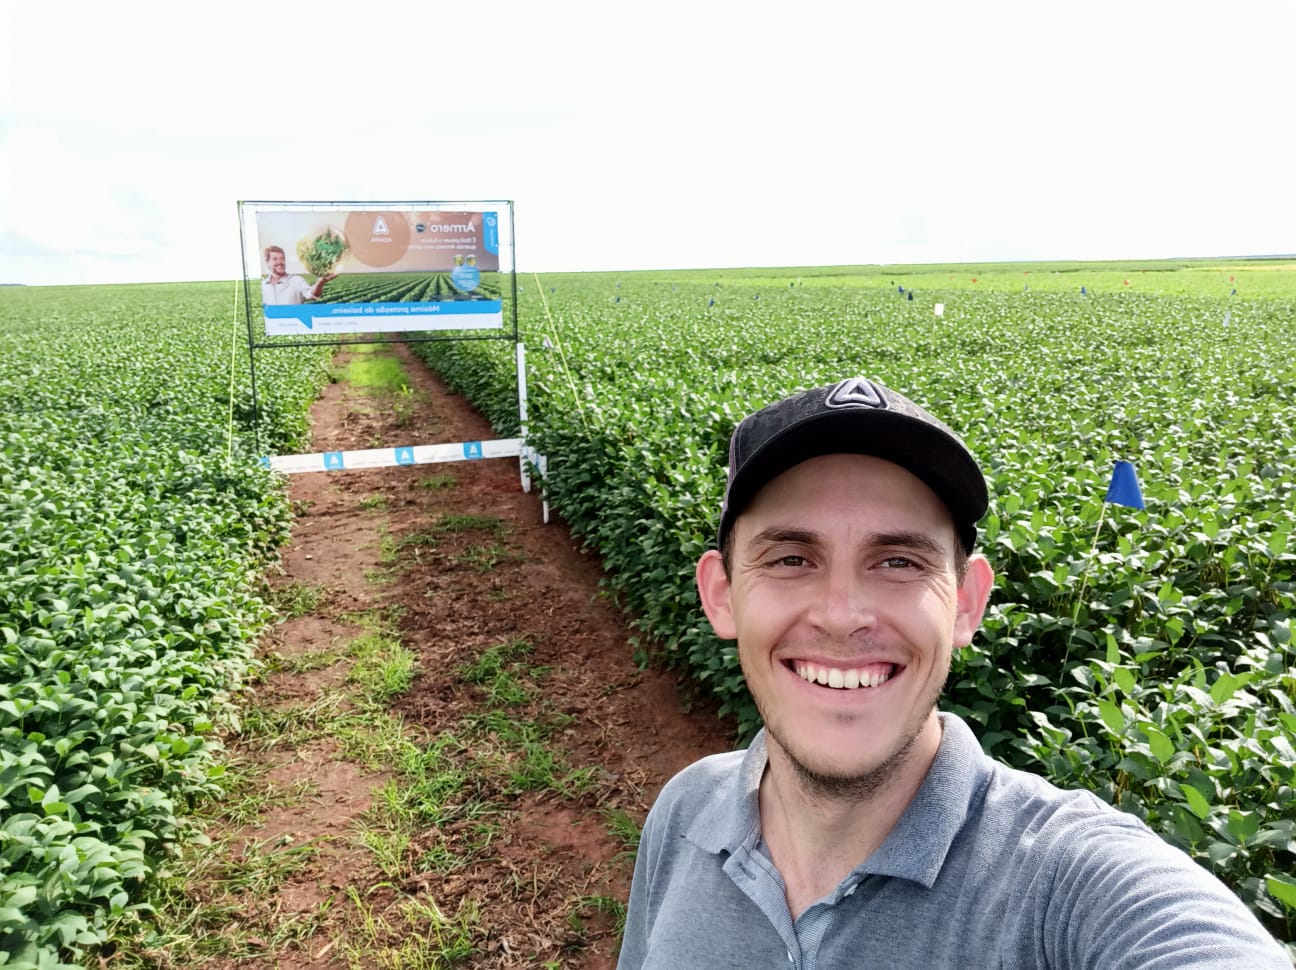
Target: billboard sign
column 334, row 270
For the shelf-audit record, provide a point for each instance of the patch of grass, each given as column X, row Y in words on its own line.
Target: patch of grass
column 534, row 767
column 388, row 549
column 380, row 618
column 179, row 927
column 427, row 938
column 291, row 725
column 437, row 813
column 373, row 739
column 403, row 404
column 389, row 844
column 375, row 369
column 417, row 540
column 377, row 501
column 379, row 577
column 507, row 691
column 263, row 866
column 301, row 663
column 246, row 803
column 578, row 782
column 623, row 830
column 485, row 558
column 504, row 679
column 595, row 907
column 516, row 752
column 494, row 660
column 438, row 481
column 469, row 523
column 297, row 599
column 383, row 667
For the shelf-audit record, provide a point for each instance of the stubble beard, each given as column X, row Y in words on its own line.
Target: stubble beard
column 861, row 787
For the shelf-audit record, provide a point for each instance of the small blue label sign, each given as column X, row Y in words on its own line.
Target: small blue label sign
column 466, row 278
column 405, row 456
column 333, row 460
column 472, row 449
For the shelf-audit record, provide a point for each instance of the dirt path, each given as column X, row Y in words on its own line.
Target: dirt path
column 479, row 816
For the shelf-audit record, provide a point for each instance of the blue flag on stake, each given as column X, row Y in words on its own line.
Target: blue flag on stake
column 1124, row 487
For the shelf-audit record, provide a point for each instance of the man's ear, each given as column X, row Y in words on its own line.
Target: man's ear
column 973, row 594
column 713, row 587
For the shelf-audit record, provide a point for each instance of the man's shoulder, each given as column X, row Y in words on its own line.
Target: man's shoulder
column 1034, row 802
column 1023, row 813
column 702, row 779
column 703, row 801
column 996, row 789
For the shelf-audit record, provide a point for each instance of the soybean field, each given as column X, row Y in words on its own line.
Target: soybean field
column 134, row 523
column 1145, row 654
column 406, row 288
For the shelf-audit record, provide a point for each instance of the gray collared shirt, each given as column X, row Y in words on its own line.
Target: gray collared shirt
column 987, row 867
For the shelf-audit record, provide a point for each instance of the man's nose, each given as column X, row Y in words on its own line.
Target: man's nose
column 845, row 603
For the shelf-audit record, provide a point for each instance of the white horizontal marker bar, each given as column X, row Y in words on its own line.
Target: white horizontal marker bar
column 332, row 461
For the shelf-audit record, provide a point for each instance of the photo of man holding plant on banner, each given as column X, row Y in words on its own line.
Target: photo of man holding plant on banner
column 280, row 288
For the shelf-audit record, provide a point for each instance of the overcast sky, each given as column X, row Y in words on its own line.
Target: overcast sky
column 654, row 135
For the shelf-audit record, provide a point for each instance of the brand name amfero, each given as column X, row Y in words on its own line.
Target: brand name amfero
column 452, row 227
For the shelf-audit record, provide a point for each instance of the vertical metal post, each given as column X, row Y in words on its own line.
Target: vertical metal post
column 522, row 414
column 513, row 266
column 247, row 314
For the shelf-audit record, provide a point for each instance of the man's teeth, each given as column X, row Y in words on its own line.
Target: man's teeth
column 872, row 676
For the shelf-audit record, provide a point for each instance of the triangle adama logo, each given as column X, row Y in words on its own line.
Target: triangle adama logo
column 855, row 392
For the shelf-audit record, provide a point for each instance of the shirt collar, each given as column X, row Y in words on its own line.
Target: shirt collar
column 915, row 849
column 730, row 818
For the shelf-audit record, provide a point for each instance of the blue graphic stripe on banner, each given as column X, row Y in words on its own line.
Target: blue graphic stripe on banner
column 490, row 232
column 306, row 312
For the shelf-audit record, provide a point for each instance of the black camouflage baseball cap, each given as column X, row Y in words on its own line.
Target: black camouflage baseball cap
column 854, row 416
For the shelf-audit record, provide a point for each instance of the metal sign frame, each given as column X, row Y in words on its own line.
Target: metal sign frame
column 405, row 454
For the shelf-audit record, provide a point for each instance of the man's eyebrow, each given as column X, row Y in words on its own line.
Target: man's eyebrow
column 917, row 541
column 776, row 534
column 906, row 539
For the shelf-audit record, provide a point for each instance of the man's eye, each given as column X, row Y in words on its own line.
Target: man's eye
column 898, row 562
column 793, row 561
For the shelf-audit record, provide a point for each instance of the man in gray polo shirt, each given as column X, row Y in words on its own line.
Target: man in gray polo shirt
column 862, row 828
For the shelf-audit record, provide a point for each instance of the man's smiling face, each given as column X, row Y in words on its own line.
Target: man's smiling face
column 276, row 263
column 845, row 603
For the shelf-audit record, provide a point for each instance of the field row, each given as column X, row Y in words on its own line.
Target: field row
column 405, row 288
column 134, row 526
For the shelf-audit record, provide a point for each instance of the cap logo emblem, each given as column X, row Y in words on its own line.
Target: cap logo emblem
column 855, row 392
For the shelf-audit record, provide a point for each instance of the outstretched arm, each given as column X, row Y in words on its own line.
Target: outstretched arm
column 1122, row 902
column 318, row 288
